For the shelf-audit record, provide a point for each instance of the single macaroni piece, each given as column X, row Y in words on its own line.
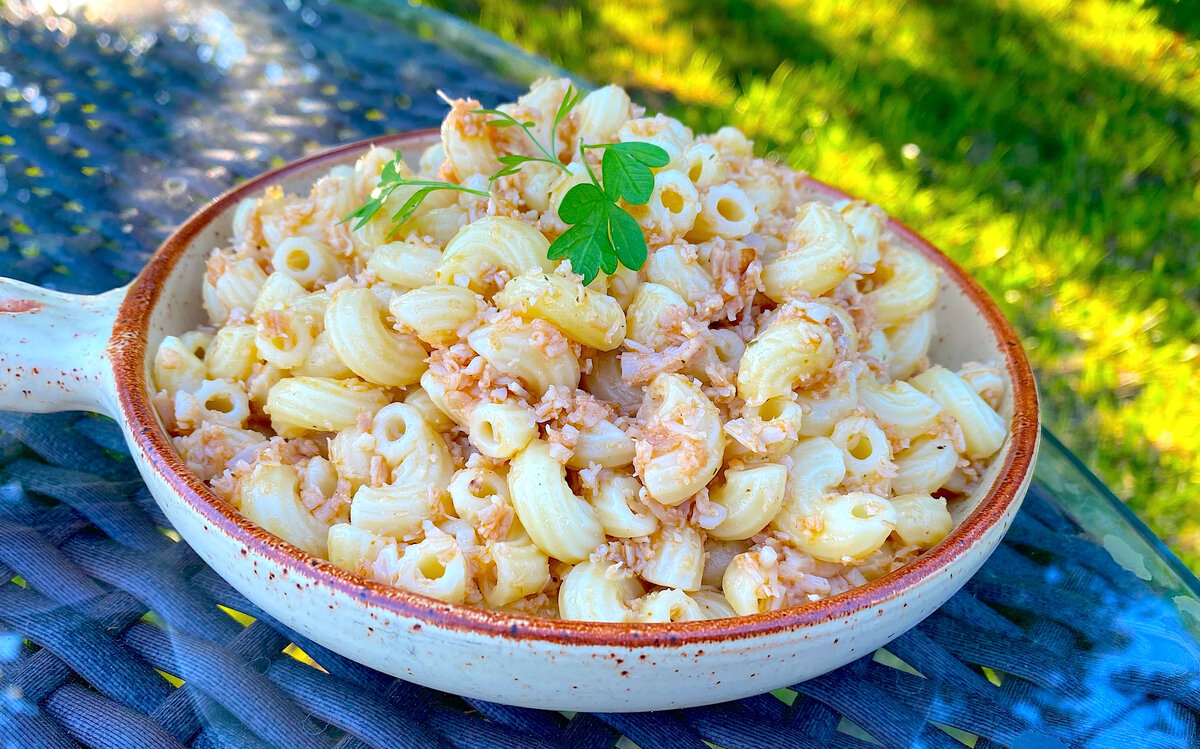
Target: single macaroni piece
column 845, row 527
column 319, row 404
column 821, row 252
column 512, row 571
column 559, row 522
column 680, row 271
column 789, row 353
column 589, row 593
column 176, row 367
column 231, row 286
column 232, row 354
column 823, row 409
column 490, row 245
column 652, row 304
column 535, row 353
column 907, row 345
column 674, row 204
column 676, row 558
column 278, row 290
column 590, row 317
column 751, row 498
column 866, row 452
column 817, row 468
column 408, row 265
column 746, row 583
column 362, row 338
column 306, row 262
column 910, row 287
column 269, row 496
column 925, row 465
column 602, row 113
column 396, row 510
column 501, row 430
column 982, row 428
column 866, row 223
column 899, row 408
column 434, row 566
column 217, row 402
column 355, row 549
column 602, row 444
column 436, row 314
column 618, row 509
column 749, row 421
column 669, row 605
column 921, row 520
column 725, row 211
column 682, row 443
column 713, row 604
column 705, row 167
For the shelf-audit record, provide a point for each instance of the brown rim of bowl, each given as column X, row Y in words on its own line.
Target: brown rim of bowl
column 127, row 352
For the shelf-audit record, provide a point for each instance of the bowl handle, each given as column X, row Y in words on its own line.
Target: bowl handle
column 52, row 348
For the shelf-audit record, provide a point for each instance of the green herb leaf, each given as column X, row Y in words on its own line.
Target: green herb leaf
column 550, row 149
column 408, row 209
column 627, row 238
column 506, row 119
column 390, row 178
column 505, row 172
column 570, row 99
column 391, row 171
column 625, row 177
column 508, row 123
column 644, row 153
column 580, row 202
column 364, row 212
column 604, row 235
column 584, row 244
column 627, row 167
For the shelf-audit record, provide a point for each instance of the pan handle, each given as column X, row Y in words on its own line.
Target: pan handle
column 52, row 348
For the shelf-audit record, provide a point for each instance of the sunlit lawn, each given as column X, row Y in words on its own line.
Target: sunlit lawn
column 1052, row 147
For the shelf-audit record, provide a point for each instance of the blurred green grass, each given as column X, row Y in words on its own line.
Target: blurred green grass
column 1050, row 146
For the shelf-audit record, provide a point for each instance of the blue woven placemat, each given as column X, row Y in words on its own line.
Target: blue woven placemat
column 111, row 631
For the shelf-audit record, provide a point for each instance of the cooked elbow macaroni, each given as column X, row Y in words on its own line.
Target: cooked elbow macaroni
column 748, row 422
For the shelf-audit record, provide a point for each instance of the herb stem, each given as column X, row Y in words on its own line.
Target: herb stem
column 437, row 186
column 550, row 158
column 555, row 162
column 586, row 165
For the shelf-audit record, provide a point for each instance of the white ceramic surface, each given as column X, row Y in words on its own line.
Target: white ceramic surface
column 63, row 352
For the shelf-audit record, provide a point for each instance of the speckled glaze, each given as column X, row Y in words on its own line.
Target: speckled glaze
column 59, row 352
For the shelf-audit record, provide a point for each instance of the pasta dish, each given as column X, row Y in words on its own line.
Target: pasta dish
column 579, row 362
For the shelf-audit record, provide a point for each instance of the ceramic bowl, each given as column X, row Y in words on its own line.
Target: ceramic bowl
column 63, row 352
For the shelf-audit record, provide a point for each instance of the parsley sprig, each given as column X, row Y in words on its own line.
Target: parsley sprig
column 513, row 162
column 602, row 234
column 391, row 179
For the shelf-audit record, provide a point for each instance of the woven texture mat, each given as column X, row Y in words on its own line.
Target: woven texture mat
column 111, row 631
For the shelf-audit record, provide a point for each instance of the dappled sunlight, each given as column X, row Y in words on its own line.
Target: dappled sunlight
column 877, row 29
column 93, row 11
column 1126, row 36
column 666, row 59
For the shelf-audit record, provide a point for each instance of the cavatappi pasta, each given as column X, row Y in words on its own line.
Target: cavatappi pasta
column 748, row 422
